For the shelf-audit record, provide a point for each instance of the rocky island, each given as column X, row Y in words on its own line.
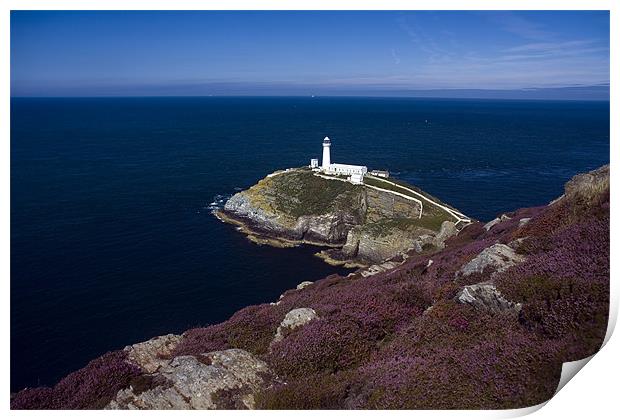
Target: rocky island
column 362, row 224
column 484, row 321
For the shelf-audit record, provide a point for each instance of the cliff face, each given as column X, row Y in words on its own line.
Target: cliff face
column 367, row 224
column 484, row 323
column 297, row 206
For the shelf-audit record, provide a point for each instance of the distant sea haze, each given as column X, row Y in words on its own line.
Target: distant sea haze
column 575, row 93
column 112, row 236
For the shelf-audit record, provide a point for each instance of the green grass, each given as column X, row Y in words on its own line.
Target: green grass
column 376, row 182
column 385, row 226
column 301, row 193
column 428, row 207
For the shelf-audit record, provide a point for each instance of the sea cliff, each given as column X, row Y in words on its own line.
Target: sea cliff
column 362, row 224
column 483, row 323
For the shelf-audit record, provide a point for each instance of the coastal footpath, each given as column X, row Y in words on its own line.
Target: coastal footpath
column 361, row 224
column 485, row 322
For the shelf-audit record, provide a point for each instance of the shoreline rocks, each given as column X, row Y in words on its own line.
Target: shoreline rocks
column 360, row 226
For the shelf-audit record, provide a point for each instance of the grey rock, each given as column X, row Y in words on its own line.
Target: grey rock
column 303, row 285
column 485, row 296
column 422, row 241
column 368, row 246
column 300, row 286
column 257, row 207
column 330, row 228
column 381, row 248
column 588, row 184
column 498, row 257
column 390, row 206
column 152, row 354
column 437, row 241
column 357, row 220
column 490, row 224
column 220, row 379
column 516, row 242
column 241, row 205
column 279, row 300
column 379, row 268
column 158, row 398
column 524, row 221
column 294, row 319
column 495, row 221
column 447, row 230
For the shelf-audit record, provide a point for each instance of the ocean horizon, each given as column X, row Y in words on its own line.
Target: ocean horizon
column 602, row 99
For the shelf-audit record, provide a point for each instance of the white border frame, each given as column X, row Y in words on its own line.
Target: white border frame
column 593, row 394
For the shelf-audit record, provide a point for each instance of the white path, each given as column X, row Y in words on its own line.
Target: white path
column 398, row 194
column 408, row 197
column 460, row 217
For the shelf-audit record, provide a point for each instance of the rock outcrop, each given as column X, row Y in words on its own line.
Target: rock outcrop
column 376, row 245
column 296, row 206
column 216, row 380
column 485, row 296
column 583, row 188
column 498, row 258
column 152, row 354
column 447, row 230
column 363, row 225
column 495, row 221
column 292, row 320
column 589, row 184
column 379, row 268
column 303, row 285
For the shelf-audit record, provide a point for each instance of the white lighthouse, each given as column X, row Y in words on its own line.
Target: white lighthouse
column 353, row 173
column 326, row 156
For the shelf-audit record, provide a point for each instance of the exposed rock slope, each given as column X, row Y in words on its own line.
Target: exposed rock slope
column 220, row 379
column 364, row 224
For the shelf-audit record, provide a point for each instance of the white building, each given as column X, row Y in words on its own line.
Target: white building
column 326, row 154
column 342, row 169
column 354, row 173
column 380, row 173
column 357, row 179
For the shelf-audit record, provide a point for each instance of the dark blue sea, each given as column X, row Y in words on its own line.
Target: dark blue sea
column 112, row 239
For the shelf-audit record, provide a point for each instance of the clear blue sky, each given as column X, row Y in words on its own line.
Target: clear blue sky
column 125, row 53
